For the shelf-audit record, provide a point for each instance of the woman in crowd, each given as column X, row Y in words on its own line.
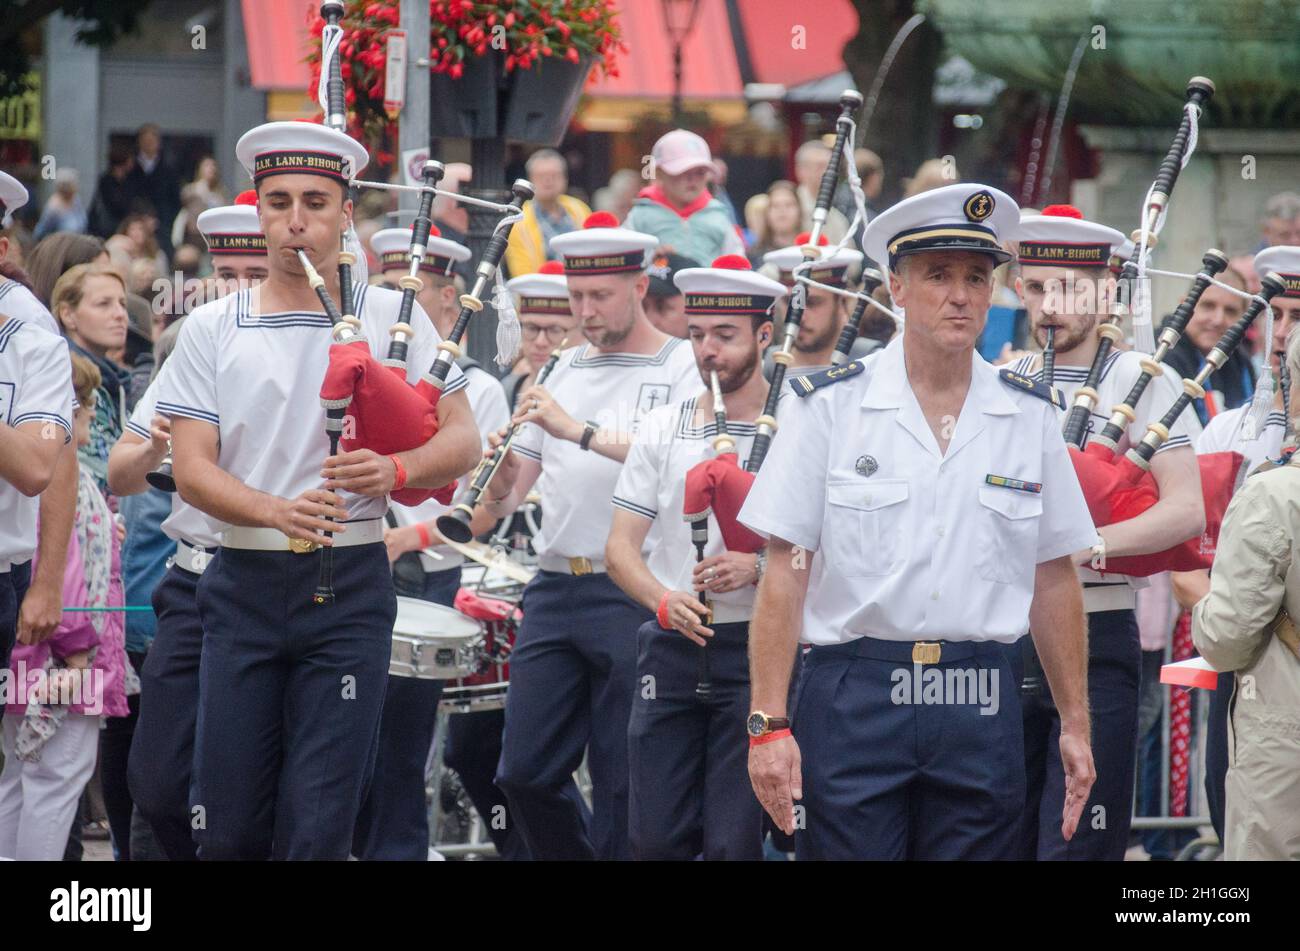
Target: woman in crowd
column 780, row 225
column 136, row 240
column 63, row 210
column 55, row 255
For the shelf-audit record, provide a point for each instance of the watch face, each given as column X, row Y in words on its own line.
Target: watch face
column 756, row 724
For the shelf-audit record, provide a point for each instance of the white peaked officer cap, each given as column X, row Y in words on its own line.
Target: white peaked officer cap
column 965, row 217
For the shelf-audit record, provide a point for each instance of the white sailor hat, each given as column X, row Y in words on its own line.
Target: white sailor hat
column 542, row 293
column 13, row 195
column 300, row 148
column 1060, row 236
column 1120, row 255
column 1285, row 260
column 965, row 217
column 600, row 246
column 729, row 287
column 836, row 269
column 234, row 229
column 393, row 248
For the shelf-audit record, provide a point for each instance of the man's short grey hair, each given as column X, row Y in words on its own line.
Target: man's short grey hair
column 545, row 155
column 1285, row 206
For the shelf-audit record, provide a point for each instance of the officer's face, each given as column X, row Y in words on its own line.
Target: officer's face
column 946, row 295
column 607, row 305
column 823, row 315
column 302, row 212
column 729, row 345
column 234, row 272
column 1069, row 300
column 1216, row 311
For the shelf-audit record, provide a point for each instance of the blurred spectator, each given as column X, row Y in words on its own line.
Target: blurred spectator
column 871, row 170
column 782, row 220
column 1281, row 224
column 143, row 327
column 16, row 245
column 664, row 303
column 1217, row 310
column 1243, row 262
column 112, row 199
column 810, row 163
column 89, row 302
column 755, row 211
column 154, row 180
column 718, row 187
column 63, row 211
column 549, row 213
column 932, row 173
column 197, row 197
column 678, row 209
column 617, row 197
column 136, row 239
column 55, row 255
column 449, row 215
column 51, row 735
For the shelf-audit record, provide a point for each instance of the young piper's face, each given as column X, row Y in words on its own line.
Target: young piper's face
column 606, row 305
column 1069, row 300
column 820, row 325
column 946, row 295
column 302, row 212
column 729, row 345
column 235, row 272
column 543, row 333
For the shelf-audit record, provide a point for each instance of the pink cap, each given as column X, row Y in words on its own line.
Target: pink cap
column 680, row 151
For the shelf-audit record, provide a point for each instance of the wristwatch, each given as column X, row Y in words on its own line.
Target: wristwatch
column 588, row 430
column 760, row 724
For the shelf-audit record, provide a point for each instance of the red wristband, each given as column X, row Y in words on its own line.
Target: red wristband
column 662, row 614
column 399, row 481
column 767, row 737
column 423, row 531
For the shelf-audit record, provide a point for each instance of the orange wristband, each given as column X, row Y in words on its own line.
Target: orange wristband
column 662, row 614
column 399, row 482
column 767, row 737
column 423, row 531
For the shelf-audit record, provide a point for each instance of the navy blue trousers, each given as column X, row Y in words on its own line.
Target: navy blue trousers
column 1216, row 749
column 13, row 588
column 689, row 759
column 290, row 696
column 393, row 824
column 572, row 679
column 159, row 768
column 889, row 776
column 1114, row 681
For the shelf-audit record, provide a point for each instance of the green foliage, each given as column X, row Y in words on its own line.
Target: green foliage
column 104, row 21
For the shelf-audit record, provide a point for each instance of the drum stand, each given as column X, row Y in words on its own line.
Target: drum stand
column 479, row 845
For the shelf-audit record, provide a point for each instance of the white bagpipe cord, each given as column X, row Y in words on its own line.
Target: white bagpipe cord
column 360, row 269
column 1144, row 338
column 509, row 334
column 330, row 38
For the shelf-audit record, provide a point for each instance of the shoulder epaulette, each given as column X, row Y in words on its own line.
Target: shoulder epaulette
column 1033, row 387
column 803, row 385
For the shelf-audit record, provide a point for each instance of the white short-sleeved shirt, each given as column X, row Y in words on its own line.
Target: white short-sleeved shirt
column 488, row 402
column 17, row 301
column 1120, row 372
column 35, row 387
column 257, row 378
column 616, row 391
column 185, row 523
column 1223, row 433
column 912, row 544
column 653, row 486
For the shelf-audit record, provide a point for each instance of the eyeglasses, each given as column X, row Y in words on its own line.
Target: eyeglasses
column 553, row 334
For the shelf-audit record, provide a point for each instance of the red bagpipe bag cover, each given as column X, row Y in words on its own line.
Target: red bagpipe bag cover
column 719, row 485
column 1116, row 490
column 386, row 414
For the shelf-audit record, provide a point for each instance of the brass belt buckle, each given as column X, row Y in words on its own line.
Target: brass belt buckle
column 926, row 652
column 300, row 546
column 580, row 566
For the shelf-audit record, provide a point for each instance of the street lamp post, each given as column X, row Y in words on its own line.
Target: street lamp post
column 679, row 17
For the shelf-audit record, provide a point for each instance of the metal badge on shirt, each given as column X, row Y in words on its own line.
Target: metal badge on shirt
column 866, row 466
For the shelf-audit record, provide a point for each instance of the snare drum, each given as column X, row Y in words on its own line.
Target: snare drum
column 485, row 688
column 433, row 642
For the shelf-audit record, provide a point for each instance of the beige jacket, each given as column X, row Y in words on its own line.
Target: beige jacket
column 1257, row 572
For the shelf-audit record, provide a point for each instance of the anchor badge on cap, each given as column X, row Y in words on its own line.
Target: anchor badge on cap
column 866, row 465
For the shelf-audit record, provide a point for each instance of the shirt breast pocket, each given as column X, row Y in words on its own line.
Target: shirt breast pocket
column 1009, row 521
column 864, row 527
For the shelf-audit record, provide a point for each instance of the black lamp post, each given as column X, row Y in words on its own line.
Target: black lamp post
column 679, row 17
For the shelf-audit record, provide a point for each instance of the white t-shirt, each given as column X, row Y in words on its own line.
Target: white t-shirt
column 186, row 523
column 488, row 402
column 1223, row 434
column 653, row 486
column 34, row 388
column 17, row 301
column 257, row 379
column 910, row 543
column 615, row 391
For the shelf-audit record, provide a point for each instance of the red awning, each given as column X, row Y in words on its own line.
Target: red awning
column 790, row 43
column 709, row 68
column 278, row 42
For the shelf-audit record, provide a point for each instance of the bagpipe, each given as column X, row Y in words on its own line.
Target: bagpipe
column 871, row 280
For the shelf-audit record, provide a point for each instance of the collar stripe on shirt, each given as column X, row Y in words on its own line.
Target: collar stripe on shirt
column 11, row 327
column 175, row 409
column 581, row 359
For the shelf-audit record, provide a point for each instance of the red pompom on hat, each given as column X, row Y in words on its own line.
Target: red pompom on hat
column 805, row 236
column 248, row 197
column 1062, row 211
column 732, row 262
column 434, row 231
column 600, row 219
column 551, row 267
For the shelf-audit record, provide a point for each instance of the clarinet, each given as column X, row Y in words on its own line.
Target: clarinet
column 1158, row 433
column 850, row 100
column 410, row 282
column 455, row 524
column 162, row 477
column 871, row 279
column 722, row 442
column 471, row 303
column 1199, row 91
column 1123, row 415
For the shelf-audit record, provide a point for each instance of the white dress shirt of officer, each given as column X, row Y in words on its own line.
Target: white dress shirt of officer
column 916, row 496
